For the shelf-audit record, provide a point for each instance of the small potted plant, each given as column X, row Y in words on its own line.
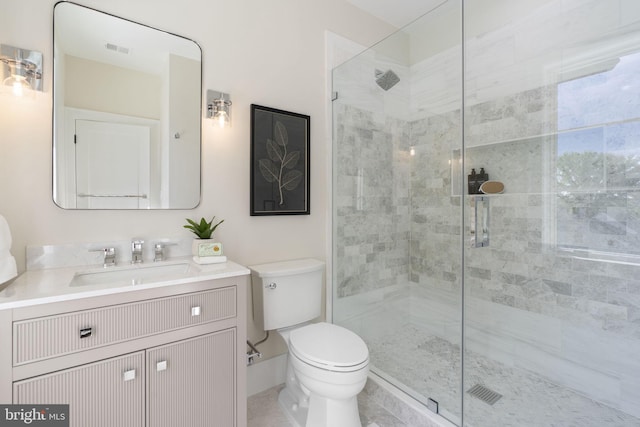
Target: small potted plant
column 203, row 245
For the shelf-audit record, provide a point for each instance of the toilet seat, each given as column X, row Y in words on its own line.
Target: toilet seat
column 329, row 347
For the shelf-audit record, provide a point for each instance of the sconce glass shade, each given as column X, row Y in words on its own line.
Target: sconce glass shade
column 18, row 84
column 221, row 118
column 219, row 108
column 24, row 68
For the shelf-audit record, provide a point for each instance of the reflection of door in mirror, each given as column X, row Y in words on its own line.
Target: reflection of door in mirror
column 112, row 165
column 72, row 151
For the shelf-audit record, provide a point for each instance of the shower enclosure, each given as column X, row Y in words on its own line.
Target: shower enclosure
column 512, row 308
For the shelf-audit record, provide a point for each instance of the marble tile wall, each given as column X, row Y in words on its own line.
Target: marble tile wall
column 529, row 302
column 435, row 214
column 533, row 221
column 371, row 201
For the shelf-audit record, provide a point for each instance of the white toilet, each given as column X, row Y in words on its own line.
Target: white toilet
column 327, row 364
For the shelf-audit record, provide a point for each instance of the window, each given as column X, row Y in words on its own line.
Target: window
column 598, row 160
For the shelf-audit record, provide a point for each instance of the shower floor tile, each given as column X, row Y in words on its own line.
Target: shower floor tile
column 431, row 365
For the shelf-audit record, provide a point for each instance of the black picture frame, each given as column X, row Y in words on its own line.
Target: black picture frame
column 280, row 145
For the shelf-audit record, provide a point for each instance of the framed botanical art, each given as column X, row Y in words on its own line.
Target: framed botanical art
column 279, row 162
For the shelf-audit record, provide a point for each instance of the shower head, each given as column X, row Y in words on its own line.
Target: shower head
column 387, row 79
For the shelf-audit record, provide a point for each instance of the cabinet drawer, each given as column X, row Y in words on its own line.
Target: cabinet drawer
column 46, row 337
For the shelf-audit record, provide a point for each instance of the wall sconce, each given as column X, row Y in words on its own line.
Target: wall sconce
column 23, row 67
column 219, row 107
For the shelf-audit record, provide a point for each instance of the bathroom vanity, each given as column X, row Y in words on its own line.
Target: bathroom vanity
column 167, row 351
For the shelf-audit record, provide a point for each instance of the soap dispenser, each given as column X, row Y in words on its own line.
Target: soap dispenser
column 481, row 178
column 472, row 185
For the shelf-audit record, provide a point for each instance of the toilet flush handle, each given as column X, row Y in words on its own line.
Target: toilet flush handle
column 271, row 285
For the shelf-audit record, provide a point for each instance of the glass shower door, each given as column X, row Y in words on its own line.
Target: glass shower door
column 397, row 206
column 552, row 302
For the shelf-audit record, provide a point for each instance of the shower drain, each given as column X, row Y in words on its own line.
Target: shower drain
column 484, row 393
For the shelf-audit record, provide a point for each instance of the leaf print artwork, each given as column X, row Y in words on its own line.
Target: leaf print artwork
column 278, row 167
column 280, row 152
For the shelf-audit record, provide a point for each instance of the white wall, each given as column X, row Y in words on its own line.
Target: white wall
column 268, row 53
column 92, row 88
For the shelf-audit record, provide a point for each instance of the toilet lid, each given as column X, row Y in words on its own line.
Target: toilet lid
column 329, row 347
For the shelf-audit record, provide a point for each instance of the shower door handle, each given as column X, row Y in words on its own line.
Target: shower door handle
column 479, row 225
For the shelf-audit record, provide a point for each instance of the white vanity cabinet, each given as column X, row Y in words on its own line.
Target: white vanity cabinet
column 168, row 356
column 206, row 393
column 101, row 394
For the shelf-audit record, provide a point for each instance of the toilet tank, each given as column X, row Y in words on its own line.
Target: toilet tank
column 286, row 293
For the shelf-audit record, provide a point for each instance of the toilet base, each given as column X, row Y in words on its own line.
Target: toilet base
column 296, row 414
column 325, row 412
column 321, row 412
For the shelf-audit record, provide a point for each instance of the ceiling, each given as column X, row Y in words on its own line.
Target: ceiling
column 397, row 12
column 87, row 33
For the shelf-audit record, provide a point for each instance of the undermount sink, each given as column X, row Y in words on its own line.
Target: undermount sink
column 133, row 275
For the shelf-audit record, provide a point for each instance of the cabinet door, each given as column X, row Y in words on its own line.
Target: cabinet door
column 193, row 382
column 102, row 394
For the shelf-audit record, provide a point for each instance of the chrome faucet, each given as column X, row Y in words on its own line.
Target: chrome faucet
column 159, row 250
column 136, row 251
column 109, row 257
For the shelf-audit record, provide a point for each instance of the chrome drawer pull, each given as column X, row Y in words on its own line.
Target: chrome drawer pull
column 161, row 366
column 129, row 375
column 195, row 311
column 85, row 332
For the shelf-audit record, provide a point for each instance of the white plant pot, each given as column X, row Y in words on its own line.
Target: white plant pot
column 206, row 247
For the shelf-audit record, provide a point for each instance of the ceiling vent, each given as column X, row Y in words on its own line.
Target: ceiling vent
column 116, row 48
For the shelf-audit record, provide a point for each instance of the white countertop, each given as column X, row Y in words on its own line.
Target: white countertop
column 54, row 284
